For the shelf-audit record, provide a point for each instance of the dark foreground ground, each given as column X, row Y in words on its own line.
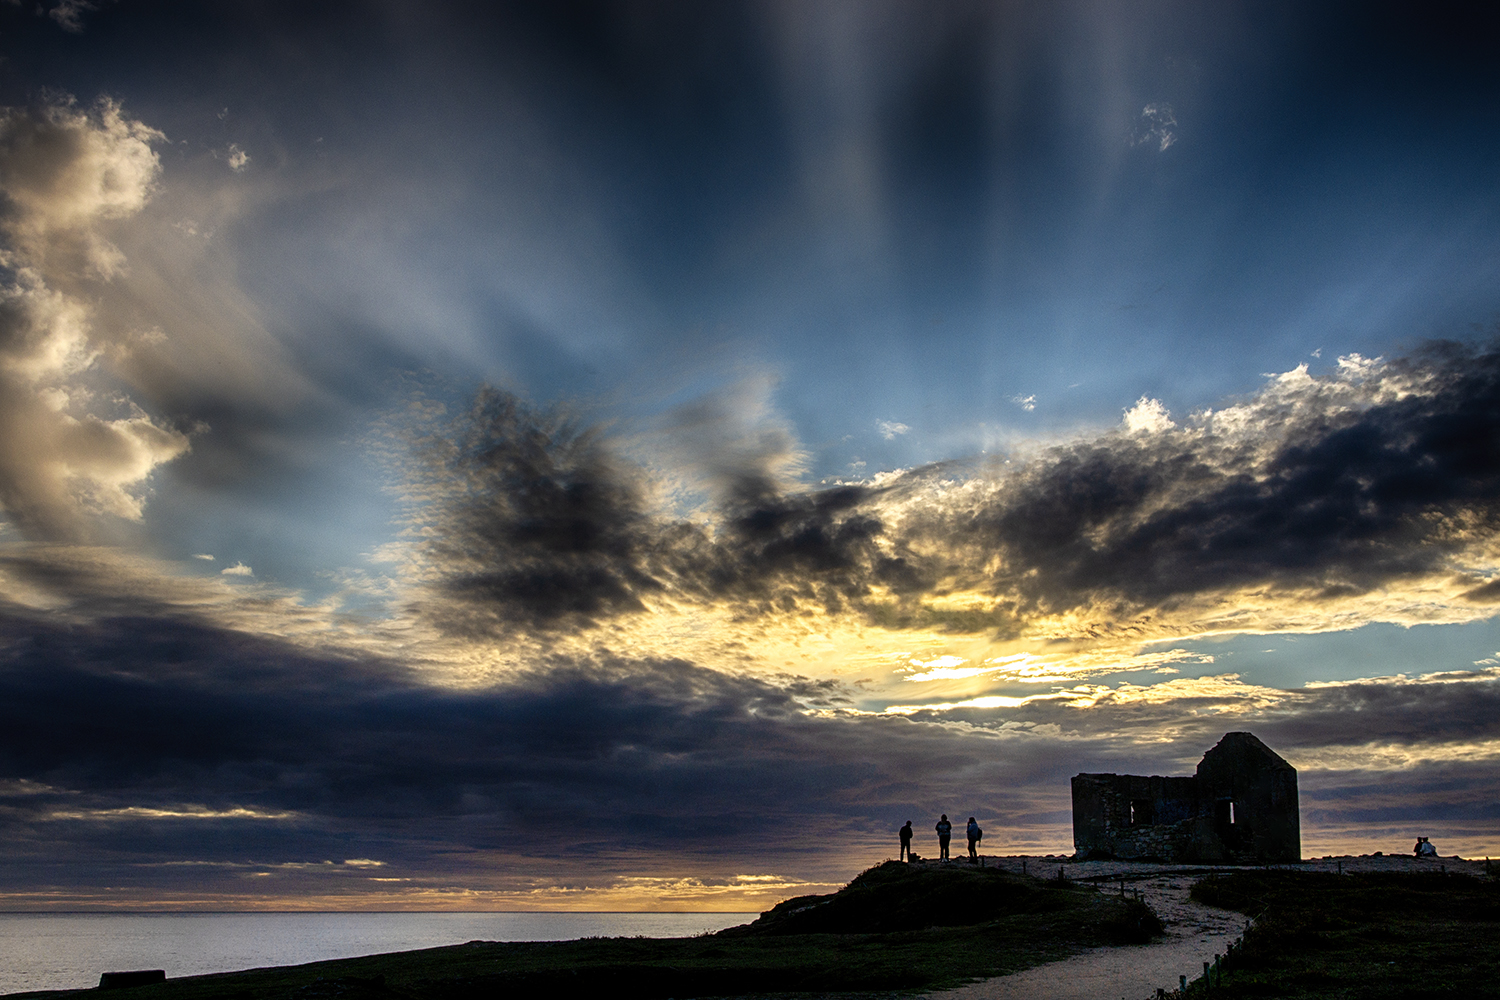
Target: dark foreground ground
column 1378, row 935
column 894, row 928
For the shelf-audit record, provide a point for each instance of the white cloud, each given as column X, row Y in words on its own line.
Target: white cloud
column 189, row 812
column 237, row 158
column 64, row 168
column 889, row 429
column 43, row 333
column 103, row 458
column 1027, row 403
column 1355, row 366
column 984, row 701
column 1157, row 126
column 69, row 14
column 238, row 569
column 203, row 555
column 63, row 172
column 1148, row 416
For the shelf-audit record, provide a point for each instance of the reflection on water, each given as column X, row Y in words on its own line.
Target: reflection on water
column 68, row 951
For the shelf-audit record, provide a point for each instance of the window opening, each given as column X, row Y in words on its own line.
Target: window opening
column 1140, row 812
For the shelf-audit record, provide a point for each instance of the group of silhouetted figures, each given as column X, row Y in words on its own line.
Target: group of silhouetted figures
column 944, row 834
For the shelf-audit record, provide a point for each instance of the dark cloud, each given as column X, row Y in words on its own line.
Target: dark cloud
column 141, row 741
column 1383, row 713
column 533, row 523
column 1419, row 717
column 161, row 712
column 1331, row 487
column 1323, row 497
column 535, row 516
column 1443, row 791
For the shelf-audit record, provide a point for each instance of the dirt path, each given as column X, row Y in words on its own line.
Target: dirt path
column 1194, row 933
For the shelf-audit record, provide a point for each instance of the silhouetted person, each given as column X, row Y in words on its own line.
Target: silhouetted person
column 945, row 830
column 906, row 841
column 974, row 834
column 1424, row 849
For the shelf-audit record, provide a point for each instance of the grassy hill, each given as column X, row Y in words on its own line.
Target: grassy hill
column 1319, row 936
column 896, row 897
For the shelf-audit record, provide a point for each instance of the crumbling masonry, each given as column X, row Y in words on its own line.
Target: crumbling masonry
column 1241, row 806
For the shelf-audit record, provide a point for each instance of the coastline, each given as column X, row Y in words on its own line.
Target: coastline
column 1194, row 933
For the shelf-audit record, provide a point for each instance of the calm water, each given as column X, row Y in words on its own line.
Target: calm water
column 68, row 951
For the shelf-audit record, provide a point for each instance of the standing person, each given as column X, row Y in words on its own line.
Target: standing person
column 906, row 841
column 974, row 834
column 944, row 830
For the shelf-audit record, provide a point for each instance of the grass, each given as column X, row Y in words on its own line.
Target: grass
column 1318, row 936
column 896, row 928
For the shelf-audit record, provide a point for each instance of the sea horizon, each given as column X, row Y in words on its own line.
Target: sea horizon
column 194, row 912
column 56, row 950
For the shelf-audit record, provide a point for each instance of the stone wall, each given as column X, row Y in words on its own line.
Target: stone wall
column 1243, row 775
column 1240, row 806
column 1133, row 816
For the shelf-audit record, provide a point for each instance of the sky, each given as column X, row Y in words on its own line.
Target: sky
column 635, row 456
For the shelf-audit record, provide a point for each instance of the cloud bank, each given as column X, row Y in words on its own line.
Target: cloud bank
column 72, row 447
column 151, row 749
column 1368, row 493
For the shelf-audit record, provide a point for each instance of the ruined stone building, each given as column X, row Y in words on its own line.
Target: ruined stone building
column 1241, row 806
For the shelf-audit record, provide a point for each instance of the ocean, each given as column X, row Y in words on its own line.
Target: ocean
column 68, row 950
